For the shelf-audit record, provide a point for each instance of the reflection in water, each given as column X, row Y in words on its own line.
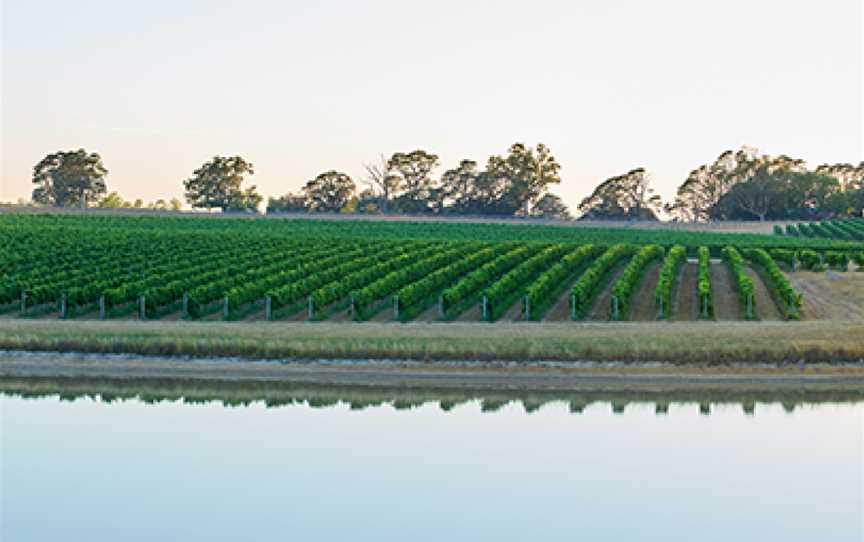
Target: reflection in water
column 102, row 460
column 274, row 394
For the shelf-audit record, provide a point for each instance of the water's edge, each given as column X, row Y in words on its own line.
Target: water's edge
column 535, row 375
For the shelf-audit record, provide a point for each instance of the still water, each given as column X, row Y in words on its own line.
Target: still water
column 91, row 466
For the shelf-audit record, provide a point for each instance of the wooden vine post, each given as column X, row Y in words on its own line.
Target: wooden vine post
column 142, row 308
column 185, row 311
column 310, row 308
column 23, row 302
column 749, row 310
column 395, row 307
column 572, row 306
column 268, row 308
column 101, row 307
column 225, row 307
column 616, row 313
column 485, row 308
column 63, row 306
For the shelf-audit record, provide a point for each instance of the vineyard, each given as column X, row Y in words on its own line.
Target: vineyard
column 199, row 268
column 842, row 230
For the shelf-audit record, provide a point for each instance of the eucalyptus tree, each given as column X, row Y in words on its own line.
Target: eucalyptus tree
column 329, row 192
column 218, row 185
column 69, row 178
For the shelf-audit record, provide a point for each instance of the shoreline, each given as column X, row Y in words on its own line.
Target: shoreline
column 478, row 375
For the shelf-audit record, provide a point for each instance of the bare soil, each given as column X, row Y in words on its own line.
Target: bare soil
column 685, row 299
column 560, row 310
column 766, row 307
column 472, row 314
column 642, row 307
column 429, row 315
column 830, row 295
column 724, row 294
column 514, row 313
column 601, row 309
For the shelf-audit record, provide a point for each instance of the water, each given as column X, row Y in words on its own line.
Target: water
column 94, row 467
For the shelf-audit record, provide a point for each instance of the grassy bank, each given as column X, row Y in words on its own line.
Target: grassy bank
column 705, row 343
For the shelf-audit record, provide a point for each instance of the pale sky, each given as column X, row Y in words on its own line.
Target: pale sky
column 301, row 87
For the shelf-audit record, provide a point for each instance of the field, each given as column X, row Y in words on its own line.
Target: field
column 199, row 268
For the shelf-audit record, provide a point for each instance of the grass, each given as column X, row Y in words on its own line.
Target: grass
column 697, row 342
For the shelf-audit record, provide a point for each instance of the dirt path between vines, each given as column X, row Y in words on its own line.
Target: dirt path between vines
column 514, row 313
column 601, row 309
column 642, row 306
column 685, row 298
column 724, row 294
column 474, row 313
column 766, row 308
column 830, row 295
column 428, row 315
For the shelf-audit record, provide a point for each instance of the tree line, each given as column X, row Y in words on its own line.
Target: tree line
column 738, row 185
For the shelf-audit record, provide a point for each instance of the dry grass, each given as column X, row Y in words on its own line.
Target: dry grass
column 697, row 342
column 831, row 296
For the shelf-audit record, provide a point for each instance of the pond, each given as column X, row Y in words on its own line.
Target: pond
column 94, row 462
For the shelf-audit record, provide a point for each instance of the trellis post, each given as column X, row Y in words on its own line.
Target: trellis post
column 101, row 307
column 310, row 308
column 615, row 310
column 749, row 313
column 395, row 307
column 142, row 308
column 572, row 306
column 225, row 307
column 23, row 302
column 268, row 308
column 485, row 307
column 440, row 306
column 63, row 306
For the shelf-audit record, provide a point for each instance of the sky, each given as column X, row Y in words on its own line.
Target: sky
column 158, row 88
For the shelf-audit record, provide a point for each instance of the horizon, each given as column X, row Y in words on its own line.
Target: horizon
column 316, row 90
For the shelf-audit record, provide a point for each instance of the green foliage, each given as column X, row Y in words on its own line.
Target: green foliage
column 217, row 185
column 586, row 287
column 777, row 282
column 675, row 258
column 363, row 299
column 416, row 296
column 809, row 259
column 837, row 260
column 742, row 282
column 71, row 178
column 473, row 282
column 542, row 291
column 623, row 290
column 501, row 294
column 785, row 256
column 703, row 285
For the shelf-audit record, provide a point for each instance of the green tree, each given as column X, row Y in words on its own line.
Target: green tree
column 289, row 203
column 217, row 185
column 623, row 197
column 551, row 206
column 414, row 173
column 71, row 178
column 329, row 192
column 525, row 174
